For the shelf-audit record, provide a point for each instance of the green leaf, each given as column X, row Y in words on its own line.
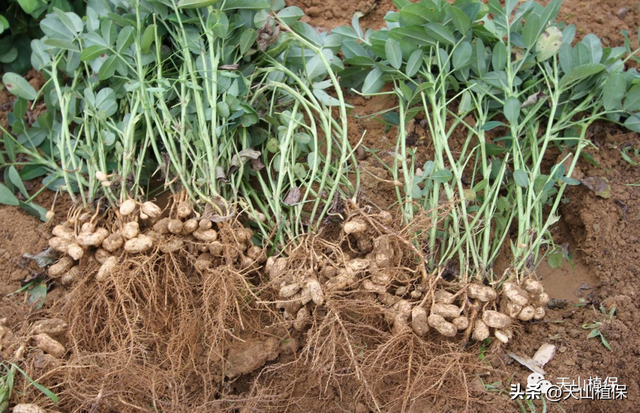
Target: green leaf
column 492, row 124
column 327, row 99
column 521, row 178
column 4, row 24
column 247, row 39
column 195, row 4
column 16, row 180
column 306, row 31
column 125, row 39
column 38, row 386
column 570, row 181
column 512, row 110
column 394, row 54
column 108, row 68
column 351, row 49
column 633, row 123
column 581, row 72
column 7, row 197
column 106, row 102
column 499, row 57
column 277, row 4
column 55, row 29
column 462, row 55
column 531, row 30
column 555, row 260
column 461, row 21
column 9, row 56
column 415, row 62
column 346, row 32
column 594, row 46
column 290, row 15
column 148, row 37
column 373, row 82
column 442, row 176
column 632, row 99
column 92, row 52
column 481, row 53
column 412, row 34
column 355, row 23
column 72, row 21
column 548, row 43
column 594, row 333
column 315, row 67
column 440, row 33
column 35, row 210
column 29, row 6
column 32, row 171
column 566, row 58
column 61, row 44
column 614, row 90
column 246, row 5
column 17, row 85
column 417, row 14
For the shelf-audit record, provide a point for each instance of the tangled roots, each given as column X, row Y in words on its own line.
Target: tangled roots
column 156, row 330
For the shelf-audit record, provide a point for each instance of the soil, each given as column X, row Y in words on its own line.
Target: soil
column 600, row 234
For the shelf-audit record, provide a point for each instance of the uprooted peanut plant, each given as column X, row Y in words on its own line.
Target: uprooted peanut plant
column 264, row 249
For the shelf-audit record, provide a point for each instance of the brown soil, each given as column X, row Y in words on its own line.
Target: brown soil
column 601, row 234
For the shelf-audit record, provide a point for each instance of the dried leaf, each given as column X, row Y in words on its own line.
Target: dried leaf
column 241, row 157
column 533, row 99
column 293, row 196
column 220, row 175
column 44, row 258
column 256, row 164
column 598, row 185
